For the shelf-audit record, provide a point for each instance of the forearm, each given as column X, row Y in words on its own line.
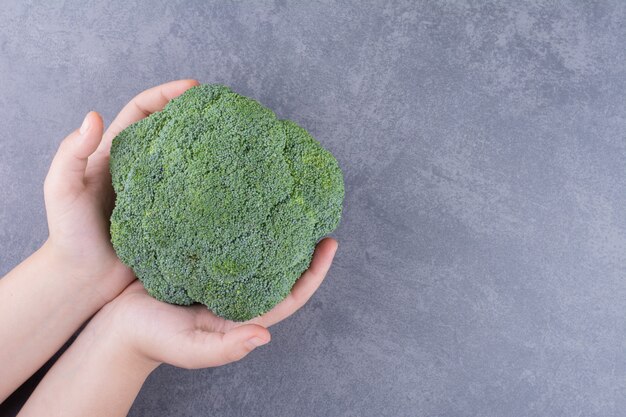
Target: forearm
column 40, row 308
column 96, row 376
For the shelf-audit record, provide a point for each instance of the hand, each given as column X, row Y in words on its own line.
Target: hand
column 79, row 196
column 48, row 296
column 193, row 337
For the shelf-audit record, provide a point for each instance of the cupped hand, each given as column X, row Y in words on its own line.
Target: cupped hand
column 194, row 337
column 79, row 196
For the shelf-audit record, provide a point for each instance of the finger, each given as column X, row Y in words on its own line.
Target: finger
column 203, row 349
column 67, row 171
column 135, row 287
column 305, row 287
column 142, row 105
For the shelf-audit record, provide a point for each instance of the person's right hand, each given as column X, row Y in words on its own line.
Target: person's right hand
column 152, row 332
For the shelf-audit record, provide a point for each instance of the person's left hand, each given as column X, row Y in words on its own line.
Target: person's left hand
column 79, row 196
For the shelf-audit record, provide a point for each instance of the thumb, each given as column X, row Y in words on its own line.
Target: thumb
column 215, row 349
column 67, row 170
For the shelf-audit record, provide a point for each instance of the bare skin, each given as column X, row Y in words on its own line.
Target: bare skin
column 76, row 274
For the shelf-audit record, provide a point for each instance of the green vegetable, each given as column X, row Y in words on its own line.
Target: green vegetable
column 221, row 203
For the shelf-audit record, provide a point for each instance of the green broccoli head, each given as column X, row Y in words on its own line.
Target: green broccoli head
column 221, row 203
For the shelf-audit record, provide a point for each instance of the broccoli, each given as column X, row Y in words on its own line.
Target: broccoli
column 221, row 203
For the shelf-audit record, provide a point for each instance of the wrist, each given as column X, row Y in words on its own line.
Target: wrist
column 130, row 364
column 110, row 329
column 62, row 273
column 96, row 287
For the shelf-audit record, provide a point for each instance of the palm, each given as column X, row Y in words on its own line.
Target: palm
column 83, row 226
column 80, row 230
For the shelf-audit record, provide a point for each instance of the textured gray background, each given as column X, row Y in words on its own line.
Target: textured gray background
column 483, row 244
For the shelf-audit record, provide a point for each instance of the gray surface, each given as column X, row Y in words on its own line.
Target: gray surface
column 483, row 245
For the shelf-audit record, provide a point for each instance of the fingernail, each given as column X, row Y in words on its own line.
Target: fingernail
column 85, row 126
column 257, row 341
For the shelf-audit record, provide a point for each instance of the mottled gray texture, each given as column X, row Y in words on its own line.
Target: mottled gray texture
column 483, row 244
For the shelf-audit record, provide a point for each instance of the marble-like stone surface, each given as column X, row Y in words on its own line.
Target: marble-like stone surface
column 482, row 259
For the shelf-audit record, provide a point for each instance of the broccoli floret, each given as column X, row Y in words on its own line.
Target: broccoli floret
column 221, row 203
